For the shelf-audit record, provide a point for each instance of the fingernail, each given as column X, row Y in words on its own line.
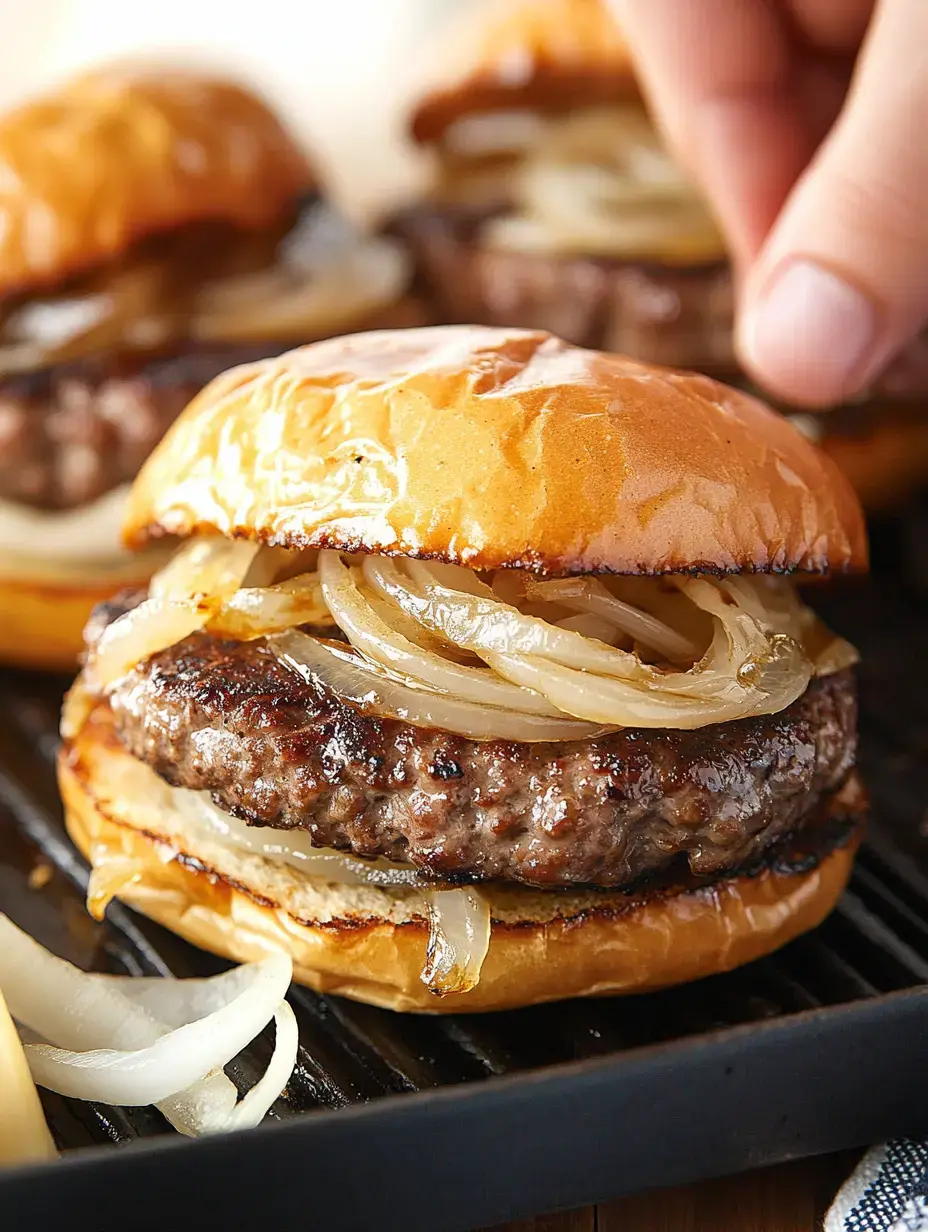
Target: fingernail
column 809, row 333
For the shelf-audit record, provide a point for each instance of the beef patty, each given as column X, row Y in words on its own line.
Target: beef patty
column 680, row 316
column 229, row 718
column 677, row 316
column 72, row 433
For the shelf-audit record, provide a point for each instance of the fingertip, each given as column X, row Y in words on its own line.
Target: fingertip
column 807, row 334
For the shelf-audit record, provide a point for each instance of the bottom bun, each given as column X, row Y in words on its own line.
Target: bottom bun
column 42, row 614
column 369, row 943
column 885, row 463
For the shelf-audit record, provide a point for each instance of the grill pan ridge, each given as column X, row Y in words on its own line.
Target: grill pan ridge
column 454, row 1122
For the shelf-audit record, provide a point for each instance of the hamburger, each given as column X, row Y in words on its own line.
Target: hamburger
column 556, row 206
column 480, row 679
column 157, row 227
column 554, row 203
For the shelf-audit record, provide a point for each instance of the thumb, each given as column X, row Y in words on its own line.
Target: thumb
column 841, row 283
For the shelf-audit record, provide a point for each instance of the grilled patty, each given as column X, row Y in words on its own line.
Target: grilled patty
column 72, row 433
column 230, row 719
column 677, row 316
column 680, row 316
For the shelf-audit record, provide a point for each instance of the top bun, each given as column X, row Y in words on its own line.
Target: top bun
column 528, row 54
column 493, row 448
column 125, row 152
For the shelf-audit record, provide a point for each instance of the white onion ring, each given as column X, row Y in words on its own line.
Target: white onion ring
column 86, row 1016
column 589, row 595
column 153, row 1073
column 368, row 686
column 375, row 639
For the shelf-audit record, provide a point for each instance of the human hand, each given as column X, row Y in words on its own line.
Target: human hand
column 806, row 123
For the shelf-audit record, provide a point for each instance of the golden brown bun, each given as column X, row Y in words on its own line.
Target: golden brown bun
column 885, row 463
column 369, row 944
column 497, row 447
column 526, row 54
column 126, row 152
column 42, row 618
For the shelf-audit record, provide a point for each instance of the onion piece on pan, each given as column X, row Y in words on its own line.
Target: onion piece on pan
column 105, row 1046
column 458, row 940
column 370, row 687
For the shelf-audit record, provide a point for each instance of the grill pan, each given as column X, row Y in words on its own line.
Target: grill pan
column 394, row 1121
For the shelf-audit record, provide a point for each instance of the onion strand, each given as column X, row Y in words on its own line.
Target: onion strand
column 163, row 1043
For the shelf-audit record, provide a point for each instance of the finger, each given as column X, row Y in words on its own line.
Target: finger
column 842, row 282
column 832, row 25
column 719, row 76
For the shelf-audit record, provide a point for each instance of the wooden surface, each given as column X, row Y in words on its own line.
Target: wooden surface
column 790, row 1198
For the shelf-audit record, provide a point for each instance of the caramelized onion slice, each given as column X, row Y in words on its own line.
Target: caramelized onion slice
column 459, row 939
column 136, row 635
column 183, row 596
column 292, row 847
column 483, row 624
column 258, row 611
column 681, row 702
column 369, row 634
column 371, row 688
column 204, row 567
column 590, row 595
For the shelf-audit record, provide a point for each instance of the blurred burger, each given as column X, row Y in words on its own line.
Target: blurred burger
column 555, row 205
column 157, row 226
column 481, row 679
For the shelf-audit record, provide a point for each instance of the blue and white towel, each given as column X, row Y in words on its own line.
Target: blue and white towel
column 888, row 1192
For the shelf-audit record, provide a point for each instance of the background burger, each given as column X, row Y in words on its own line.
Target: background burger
column 555, row 206
column 481, row 678
column 157, row 226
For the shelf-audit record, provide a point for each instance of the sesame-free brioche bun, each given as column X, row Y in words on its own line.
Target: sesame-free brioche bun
column 497, row 448
column 526, row 54
column 125, row 152
column 369, row 944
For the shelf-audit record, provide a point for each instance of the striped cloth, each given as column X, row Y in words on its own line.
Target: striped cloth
column 888, row 1192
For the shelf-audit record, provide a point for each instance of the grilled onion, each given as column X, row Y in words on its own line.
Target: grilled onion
column 524, row 660
column 255, row 611
column 598, row 181
column 373, row 637
column 458, row 942
column 183, row 596
column 371, row 687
